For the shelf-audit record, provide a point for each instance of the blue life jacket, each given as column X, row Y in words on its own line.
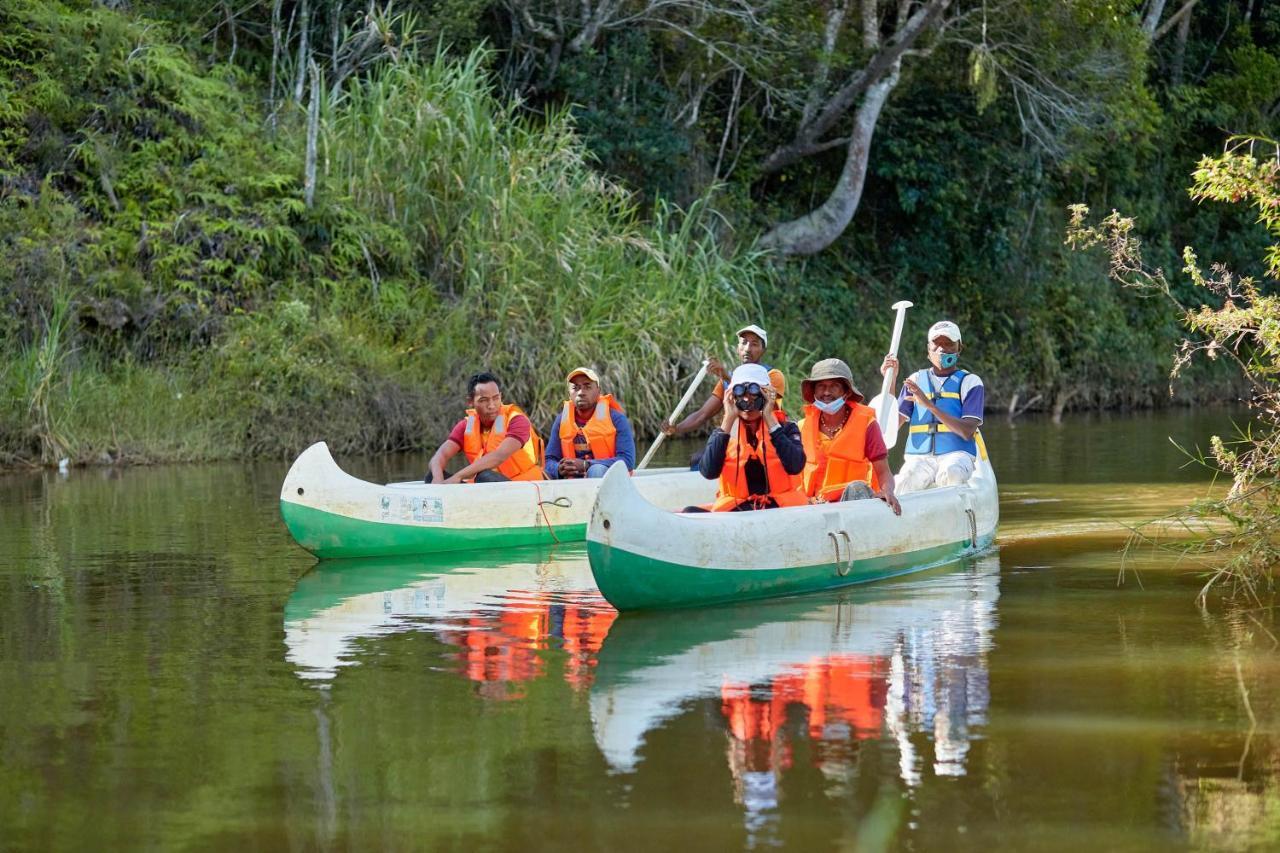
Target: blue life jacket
column 927, row 434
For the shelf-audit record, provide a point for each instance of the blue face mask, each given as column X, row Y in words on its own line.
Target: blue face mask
column 830, row 408
column 948, row 360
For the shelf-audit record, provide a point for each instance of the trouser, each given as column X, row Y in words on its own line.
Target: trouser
column 745, row 506
column 922, row 470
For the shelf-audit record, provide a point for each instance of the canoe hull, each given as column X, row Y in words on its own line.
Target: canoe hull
column 644, row 558
column 638, row 582
column 335, row 515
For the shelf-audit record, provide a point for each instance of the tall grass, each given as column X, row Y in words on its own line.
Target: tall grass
column 540, row 263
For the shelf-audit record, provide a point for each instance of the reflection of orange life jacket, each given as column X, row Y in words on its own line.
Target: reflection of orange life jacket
column 784, row 488
column 846, row 458
column 584, row 632
column 601, row 434
column 524, row 464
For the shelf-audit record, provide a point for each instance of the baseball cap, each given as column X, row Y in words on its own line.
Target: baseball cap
column 755, row 330
column 746, row 373
column 583, row 371
column 946, row 328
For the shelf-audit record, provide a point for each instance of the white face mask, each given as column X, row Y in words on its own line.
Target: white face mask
column 830, row 408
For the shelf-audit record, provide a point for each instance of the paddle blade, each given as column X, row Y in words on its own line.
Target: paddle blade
column 886, row 408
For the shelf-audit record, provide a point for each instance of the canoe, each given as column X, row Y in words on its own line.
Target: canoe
column 340, row 604
column 333, row 514
column 645, row 557
column 906, row 659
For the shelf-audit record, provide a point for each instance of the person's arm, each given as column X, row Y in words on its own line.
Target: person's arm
column 787, row 444
column 712, row 462
column 624, row 443
column 695, row 420
column 443, row 454
column 552, row 452
column 885, row 477
column 490, row 460
column 963, row 427
column 874, row 450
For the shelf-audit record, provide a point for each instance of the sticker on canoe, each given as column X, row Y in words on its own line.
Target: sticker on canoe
column 426, row 510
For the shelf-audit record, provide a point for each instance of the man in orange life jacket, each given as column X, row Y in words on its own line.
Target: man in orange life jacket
column 756, row 452
column 944, row 405
column 497, row 438
column 752, row 341
column 845, row 455
column 590, row 433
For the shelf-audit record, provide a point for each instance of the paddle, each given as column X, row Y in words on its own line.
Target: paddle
column 684, row 401
column 885, row 404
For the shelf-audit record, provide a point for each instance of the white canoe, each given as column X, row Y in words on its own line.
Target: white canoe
column 333, row 514
column 646, row 557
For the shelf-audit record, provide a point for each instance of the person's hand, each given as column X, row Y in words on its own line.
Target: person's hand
column 892, row 500
column 918, row 396
column 770, row 400
column 456, row 478
column 668, row 429
column 568, row 468
column 730, row 413
column 817, row 499
column 890, row 363
column 715, row 368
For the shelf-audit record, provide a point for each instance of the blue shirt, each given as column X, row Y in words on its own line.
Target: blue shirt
column 624, row 445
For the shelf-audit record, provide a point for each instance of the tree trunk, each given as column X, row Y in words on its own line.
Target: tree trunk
column 814, row 231
column 1180, row 50
column 1152, row 20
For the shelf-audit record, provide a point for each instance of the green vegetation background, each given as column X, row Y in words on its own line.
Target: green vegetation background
column 169, row 293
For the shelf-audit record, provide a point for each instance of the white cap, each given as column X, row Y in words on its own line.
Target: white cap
column 946, row 329
column 746, row 373
column 755, row 330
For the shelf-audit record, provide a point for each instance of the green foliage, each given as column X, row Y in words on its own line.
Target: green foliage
column 1241, row 324
column 542, row 263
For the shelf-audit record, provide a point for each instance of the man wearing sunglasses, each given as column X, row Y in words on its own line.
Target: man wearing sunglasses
column 752, row 341
column 756, row 452
column 944, row 405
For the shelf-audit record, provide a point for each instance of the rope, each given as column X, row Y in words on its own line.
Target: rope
column 542, row 508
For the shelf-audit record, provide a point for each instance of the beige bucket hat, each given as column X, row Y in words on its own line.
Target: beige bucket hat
column 829, row 368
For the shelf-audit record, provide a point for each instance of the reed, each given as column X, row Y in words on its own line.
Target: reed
column 538, row 263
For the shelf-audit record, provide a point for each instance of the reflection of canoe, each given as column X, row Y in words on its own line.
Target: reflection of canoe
column 338, row 603
column 922, row 642
column 644, row 557
column 332, row 514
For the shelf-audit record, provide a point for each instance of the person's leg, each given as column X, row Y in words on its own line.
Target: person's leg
column 695, row 509
column 492, row 476
column 596, row 471
column 954, row 469
column 916, row 473
column 857, row 491
column 427, row 479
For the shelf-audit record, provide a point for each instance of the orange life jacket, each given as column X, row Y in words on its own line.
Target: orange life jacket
column 845, row 460
column 786, row 489
column 524, row 464
column 602, row 435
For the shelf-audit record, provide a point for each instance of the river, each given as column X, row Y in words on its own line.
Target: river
column 176, row 674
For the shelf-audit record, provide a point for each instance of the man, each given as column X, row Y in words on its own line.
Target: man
column 944, row 406
column 752, row 341
column 590, row 433
column 756, row 452
column 497, row 438
column 845, row 455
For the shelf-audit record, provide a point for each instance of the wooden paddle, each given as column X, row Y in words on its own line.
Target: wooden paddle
column 684, row 401
column 885, row 404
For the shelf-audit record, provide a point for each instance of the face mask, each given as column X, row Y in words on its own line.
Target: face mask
column 830, row 408
column 948, row 360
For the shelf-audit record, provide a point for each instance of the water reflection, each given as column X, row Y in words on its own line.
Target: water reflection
column 500, row 612
column 890, row 661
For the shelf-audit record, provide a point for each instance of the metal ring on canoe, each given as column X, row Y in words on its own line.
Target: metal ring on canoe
column 848, row 565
